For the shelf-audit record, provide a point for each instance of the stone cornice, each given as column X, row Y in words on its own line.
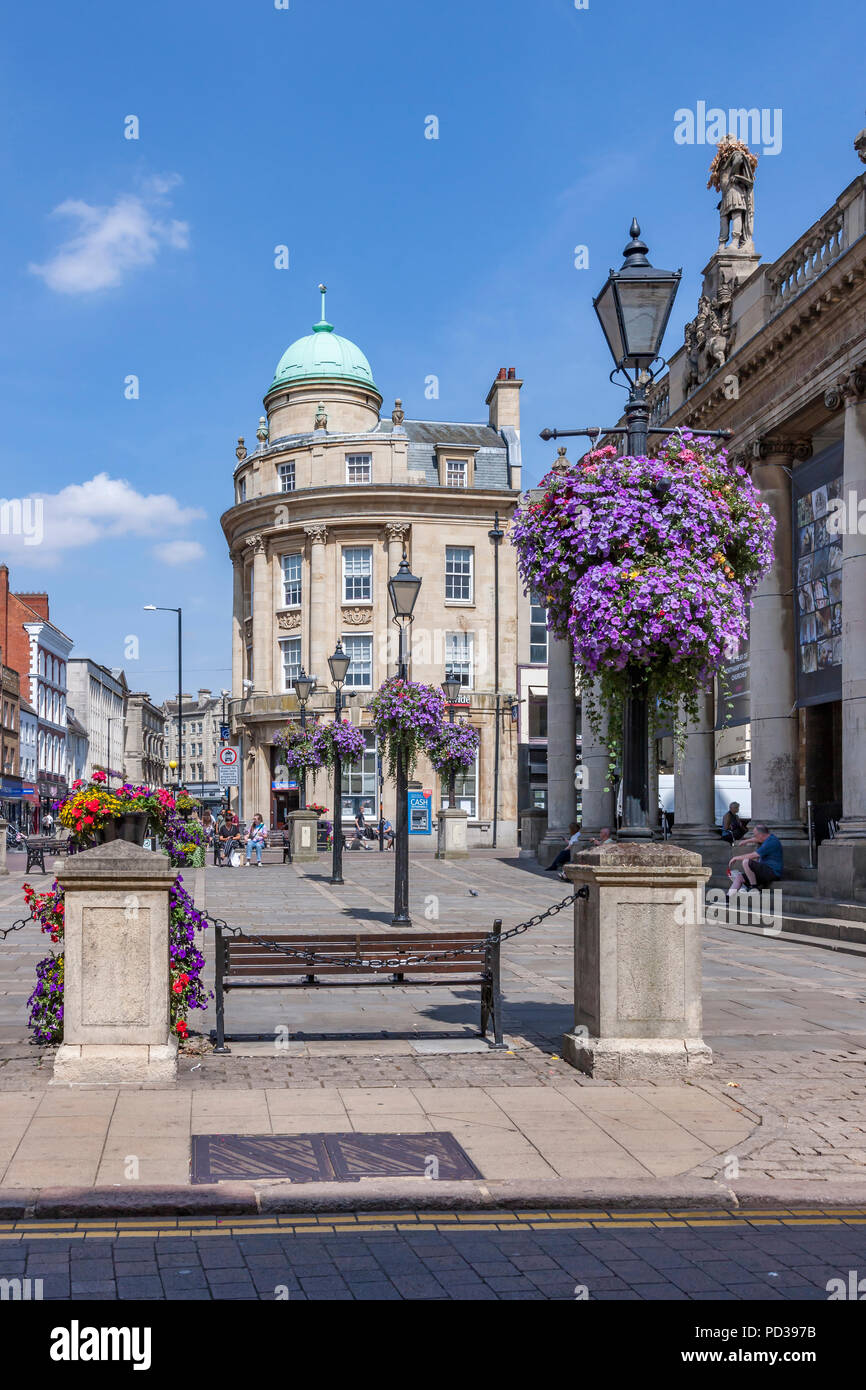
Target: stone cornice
column 844, row 282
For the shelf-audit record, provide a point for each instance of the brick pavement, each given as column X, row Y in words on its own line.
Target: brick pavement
column 541, row 1256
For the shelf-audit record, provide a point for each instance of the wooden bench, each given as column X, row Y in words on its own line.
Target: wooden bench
column 355, row 960
column 38, row 847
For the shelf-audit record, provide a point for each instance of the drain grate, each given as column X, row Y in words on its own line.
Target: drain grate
column 328, row 1157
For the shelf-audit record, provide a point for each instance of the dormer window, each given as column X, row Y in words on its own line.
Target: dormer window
column 455, row 465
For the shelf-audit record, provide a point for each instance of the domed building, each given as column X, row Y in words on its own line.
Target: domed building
column 324, row 508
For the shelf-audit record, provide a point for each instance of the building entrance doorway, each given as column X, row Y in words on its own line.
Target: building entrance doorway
column 282, row 802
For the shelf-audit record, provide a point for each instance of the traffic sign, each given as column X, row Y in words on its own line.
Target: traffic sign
column 228, row 756
column 228, row 776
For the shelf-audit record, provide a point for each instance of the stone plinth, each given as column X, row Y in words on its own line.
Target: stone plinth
column 304, row 825
column 116, row 1018
column 452, row 837
column 842, row 869
column 533, row 824
column 637, row 963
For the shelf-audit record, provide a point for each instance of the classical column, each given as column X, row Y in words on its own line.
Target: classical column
column 319, row 627
column 694, row 778
column 561, row 749
column 842, row 861
column 237, row 624
column 263, row 617
column 774, row 723
column 596, row 796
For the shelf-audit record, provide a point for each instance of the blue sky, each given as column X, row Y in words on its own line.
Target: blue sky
column 306, row 127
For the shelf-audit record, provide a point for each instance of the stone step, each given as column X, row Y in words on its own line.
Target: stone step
column 795, row 932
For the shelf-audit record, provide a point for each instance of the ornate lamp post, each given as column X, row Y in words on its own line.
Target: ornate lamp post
column 451, row 690
column 338, row 664
column 304, row 687
column 403, row 590
column 633, row 309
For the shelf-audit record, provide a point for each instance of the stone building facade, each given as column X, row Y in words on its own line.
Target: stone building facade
column 98, row 696
column 777, row 355
column 202, row 716
column 144, row 754
column 324, row 508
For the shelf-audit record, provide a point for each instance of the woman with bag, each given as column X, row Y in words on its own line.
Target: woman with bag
column 257, row 838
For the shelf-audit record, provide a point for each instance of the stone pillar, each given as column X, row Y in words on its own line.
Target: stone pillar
column 637, row 963
column 842, row 861
column 452, row 840
column 561, row 749
column 774, row 722
column 319, row 626
column 304, row 825
column 116, row 1019
column 695, row 778
column 533, row 823
column 3, row 869
column 596, row 797
column 263, row 617
column 237, row 625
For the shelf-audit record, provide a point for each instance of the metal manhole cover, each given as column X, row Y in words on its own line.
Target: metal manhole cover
column 328, row 1157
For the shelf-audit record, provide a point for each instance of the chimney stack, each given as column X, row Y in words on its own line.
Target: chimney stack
column 504, row 400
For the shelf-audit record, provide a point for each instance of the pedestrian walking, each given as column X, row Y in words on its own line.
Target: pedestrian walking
column 360, row 835
column 257, row 838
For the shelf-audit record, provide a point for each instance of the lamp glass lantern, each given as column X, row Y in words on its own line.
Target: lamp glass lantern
column 403, row 589
column 304, row 686
column 634, row 306
column 451, row 688
column 339, row 664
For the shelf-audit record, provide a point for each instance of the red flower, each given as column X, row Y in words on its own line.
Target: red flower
column 181, row 1028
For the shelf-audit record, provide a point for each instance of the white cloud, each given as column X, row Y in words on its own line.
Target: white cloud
column 110, row 241
column 99, row 511
column 179, row 552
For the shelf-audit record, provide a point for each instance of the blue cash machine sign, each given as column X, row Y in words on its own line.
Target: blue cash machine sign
column 419, row 812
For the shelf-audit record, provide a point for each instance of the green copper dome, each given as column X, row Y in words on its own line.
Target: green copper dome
column 323, row 353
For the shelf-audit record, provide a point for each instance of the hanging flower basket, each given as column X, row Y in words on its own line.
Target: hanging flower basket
column 302, row 746
column 343, row 738
column 406, row 715
column 646, row 567
column 455, row 750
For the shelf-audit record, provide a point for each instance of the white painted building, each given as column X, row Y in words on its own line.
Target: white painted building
column 98, row 696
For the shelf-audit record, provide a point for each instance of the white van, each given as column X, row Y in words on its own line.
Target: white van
column 730, row 787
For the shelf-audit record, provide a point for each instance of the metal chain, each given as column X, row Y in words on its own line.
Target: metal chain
column 16, row 926
column 311, row 957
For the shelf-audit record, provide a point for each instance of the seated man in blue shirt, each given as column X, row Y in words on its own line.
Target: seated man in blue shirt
column 759, row 867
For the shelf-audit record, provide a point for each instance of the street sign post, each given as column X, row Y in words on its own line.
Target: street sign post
column 229, row 767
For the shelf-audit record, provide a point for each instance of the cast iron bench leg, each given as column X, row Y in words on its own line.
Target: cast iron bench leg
column 221, row 953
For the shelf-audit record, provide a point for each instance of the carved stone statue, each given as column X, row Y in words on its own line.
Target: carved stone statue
column 732, row 173
column 241, row 450
column 398, row 415
column 321, row 416
column 708, row 338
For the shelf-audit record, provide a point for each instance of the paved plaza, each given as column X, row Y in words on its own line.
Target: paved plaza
column 782, row 1105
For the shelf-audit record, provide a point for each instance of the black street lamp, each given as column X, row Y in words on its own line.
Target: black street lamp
column 633, row 309
column 451, row 688
column 338, row 664
column 403, row 590
column 154, row 608
column 304, row 687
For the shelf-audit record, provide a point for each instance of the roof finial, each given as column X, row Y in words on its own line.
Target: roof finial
column 323, row 326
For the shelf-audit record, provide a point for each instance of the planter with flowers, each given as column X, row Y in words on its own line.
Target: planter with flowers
column 94, row 816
